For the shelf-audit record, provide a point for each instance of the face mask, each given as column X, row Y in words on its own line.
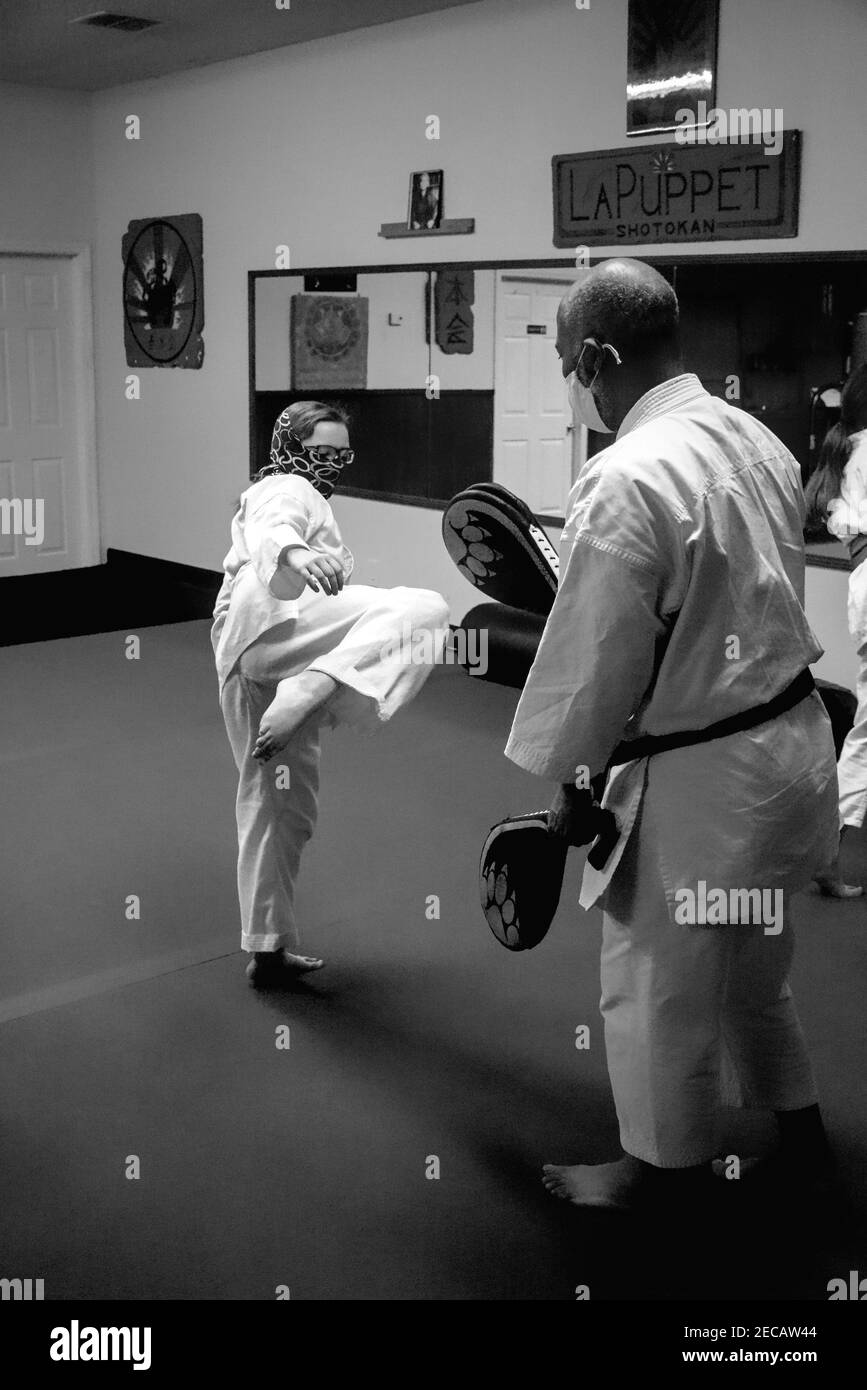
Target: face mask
column 584, row 406
column 322, row 476
column 288, row 455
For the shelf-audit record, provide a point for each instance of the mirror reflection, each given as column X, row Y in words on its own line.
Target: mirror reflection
column 451, row 376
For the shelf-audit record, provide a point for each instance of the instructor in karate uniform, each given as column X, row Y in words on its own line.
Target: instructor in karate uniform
column 679, row 631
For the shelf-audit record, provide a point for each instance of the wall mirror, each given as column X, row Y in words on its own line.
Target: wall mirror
column 429, row 418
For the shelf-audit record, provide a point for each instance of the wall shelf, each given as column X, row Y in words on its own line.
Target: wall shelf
column 450, row 226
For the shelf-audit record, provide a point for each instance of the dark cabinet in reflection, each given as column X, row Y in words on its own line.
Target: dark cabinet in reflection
column 782, row 329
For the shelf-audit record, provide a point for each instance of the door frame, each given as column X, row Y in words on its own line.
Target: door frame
column 84, row 377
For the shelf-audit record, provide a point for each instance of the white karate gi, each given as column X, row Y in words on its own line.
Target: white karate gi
column 267, row 626
column 680, row 604
column 847, row 518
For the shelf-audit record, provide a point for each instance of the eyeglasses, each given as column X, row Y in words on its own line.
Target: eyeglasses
column 326, row 453
column 591, row 359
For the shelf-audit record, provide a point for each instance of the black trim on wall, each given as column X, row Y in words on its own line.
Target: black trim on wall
column 128, row 592
column 664, row 258
column 139, row 570
column 131, row 591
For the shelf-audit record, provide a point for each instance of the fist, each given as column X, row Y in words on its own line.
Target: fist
column 571, row 815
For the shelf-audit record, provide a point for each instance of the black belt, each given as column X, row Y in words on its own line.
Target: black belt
column 648, row 744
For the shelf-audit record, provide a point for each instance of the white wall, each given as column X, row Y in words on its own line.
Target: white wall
column 397, row 354
column 266, row 158
column 401, row 559
column 46, row 168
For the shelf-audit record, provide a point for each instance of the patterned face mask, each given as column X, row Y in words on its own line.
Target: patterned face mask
column 289, row 455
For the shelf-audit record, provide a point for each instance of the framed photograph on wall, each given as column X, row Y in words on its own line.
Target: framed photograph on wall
column 671, row 63
column 425, row 200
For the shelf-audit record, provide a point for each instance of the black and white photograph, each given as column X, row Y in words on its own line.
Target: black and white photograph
column 426, row 200
column 433, row 665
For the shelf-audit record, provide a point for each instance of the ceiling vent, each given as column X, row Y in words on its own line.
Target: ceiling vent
column 105, row 19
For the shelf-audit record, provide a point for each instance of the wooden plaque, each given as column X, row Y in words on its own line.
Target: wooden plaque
column 163, row 296
column 675, row 193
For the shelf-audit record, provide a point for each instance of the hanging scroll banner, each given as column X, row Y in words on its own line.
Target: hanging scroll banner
column 454, row 295
column 676, row 193
column 329, row 342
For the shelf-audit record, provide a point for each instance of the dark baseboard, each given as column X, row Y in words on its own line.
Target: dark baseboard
column 128, row 592
column 167, row 571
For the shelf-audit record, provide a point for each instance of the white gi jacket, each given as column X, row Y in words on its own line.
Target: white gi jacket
column 257, row 593
column 680, row 604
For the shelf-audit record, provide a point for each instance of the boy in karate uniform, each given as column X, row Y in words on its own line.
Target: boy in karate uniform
column 294, row 648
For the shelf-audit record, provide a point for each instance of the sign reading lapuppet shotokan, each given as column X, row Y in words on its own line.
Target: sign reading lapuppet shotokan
column 671, row 193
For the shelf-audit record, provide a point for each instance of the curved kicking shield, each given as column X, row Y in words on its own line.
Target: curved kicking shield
column 520, row 878
column 494, row 540
column 521, row 874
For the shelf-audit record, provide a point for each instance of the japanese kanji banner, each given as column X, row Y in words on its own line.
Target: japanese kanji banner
column 453, row 310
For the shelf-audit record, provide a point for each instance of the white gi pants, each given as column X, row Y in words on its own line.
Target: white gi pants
column 695, row 1016
column 351, row 637
column 852, row 767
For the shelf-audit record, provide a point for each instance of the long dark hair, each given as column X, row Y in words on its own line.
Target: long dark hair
column 301, row 418
column 827, row 481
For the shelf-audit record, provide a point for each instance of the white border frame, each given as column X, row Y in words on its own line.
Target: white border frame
column 84, row 378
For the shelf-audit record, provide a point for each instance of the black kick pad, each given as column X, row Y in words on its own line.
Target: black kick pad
column 520, row 878
column 521, row 874
column 493, row 539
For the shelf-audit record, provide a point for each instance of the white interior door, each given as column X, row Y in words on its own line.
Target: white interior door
column 536, row 451
column 47, row 487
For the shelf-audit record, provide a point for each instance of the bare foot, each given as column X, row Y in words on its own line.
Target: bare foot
column 831, row 886
column 614, row 1186
column 302, row 965
column 275, row 967
column 296, row 699
column 830, row 883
